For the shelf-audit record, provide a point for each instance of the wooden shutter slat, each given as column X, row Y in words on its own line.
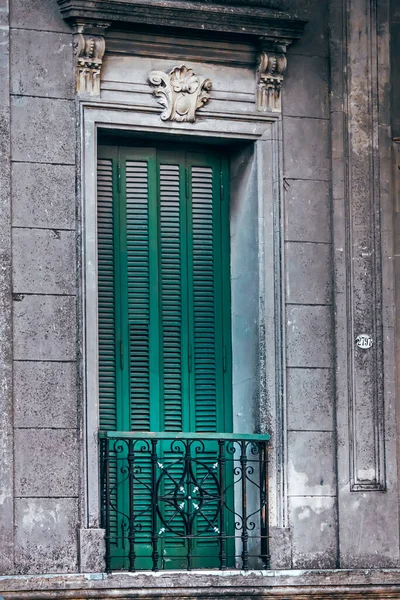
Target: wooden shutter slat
column 171, row 295
column 138, row 291
column 106, row 297
column 204, row 299
column 106, row 313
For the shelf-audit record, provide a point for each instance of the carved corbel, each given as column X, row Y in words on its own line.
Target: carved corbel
column 270, row 72
column 180, row 92
column 89, row 47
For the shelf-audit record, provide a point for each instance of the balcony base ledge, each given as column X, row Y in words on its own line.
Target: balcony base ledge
column 301, row 584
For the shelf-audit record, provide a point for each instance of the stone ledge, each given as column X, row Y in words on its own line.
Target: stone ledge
column 248, row 19
column 343, row 584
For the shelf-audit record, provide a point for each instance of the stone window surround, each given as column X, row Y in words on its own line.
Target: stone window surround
column 265, row 133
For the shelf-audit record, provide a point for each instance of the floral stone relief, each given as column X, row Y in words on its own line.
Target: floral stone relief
column 181, row 92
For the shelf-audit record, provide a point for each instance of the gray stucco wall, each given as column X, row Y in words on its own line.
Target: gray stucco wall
column 395, row 67
column 41, row 475
column 43, row 134
column 309, row 280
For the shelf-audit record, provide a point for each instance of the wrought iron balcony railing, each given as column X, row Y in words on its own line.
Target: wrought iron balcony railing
column 185, row 500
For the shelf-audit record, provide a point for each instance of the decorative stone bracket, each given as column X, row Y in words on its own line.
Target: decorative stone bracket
column 270, row 71
column 181, row 92
column 272, row 31
column 89, row 51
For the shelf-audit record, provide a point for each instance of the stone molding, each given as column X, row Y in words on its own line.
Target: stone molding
column 273, row 30
column 89, row 51
column 360, row 257
column 364, row 255
column 302, row 585
column 259, row 3
column 270, row 71
column 247, row 18
column 181, row 92
column 362, row 211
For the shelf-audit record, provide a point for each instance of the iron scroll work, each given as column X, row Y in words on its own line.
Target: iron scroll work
column 181, row 92
column 184, row 501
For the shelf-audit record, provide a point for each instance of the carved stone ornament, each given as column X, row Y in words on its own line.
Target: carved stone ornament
column 270, row 72
column 242, row 17
column 89, row 50
column 180, row 92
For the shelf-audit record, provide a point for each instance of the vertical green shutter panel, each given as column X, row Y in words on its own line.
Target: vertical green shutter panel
column 204, row 299
column 161, row 293
column 138, row 291
column 106, row 311
column 106, row 296
column 172, row 273
column 171, row 295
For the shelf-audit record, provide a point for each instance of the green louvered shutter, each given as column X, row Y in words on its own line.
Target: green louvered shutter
column 209, row 322
column 174, row 382
column 107, row 268
column 138, row 291
column 140, row 321
column 164, row 307
column 206, row 245
column 106, row 168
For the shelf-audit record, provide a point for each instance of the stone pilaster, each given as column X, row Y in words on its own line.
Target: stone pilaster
column 6, row 424
column 366, row 451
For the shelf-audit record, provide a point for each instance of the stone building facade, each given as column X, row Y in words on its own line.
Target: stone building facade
column 304, row 100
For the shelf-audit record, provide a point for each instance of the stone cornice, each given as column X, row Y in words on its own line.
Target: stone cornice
column 377, row 584
column 251, row 18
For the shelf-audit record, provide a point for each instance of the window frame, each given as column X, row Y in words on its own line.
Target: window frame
column 265, row 135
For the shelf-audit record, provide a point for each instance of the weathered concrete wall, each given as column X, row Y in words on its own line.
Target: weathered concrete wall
column 395, row 67
column 363, row 253
column 355, row 584
column 6, row 431
column 39, row 132
column 43, row 133
column 309, row 294
column 395, row 127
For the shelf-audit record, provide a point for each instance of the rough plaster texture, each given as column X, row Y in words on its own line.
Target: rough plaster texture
column 308, row 334
column 44, row 261
column 43, row 130
column 45, row 386
column 44, row 327
column 41, row 64
column 310, row 394
column 91, row 546
column 309, row 139
column 361, row 409
column 46, row 463
column 317, row 515
column 311, row 463
column 308, row 273
column 6, row 432
column 46, row 535
column 306, row 88
column 309, row 295
column 395, row 68
column 307, row 211
column 45, row 394
column 43, row 196
column 314, row 42
column 302, row 584
column 42, row 15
